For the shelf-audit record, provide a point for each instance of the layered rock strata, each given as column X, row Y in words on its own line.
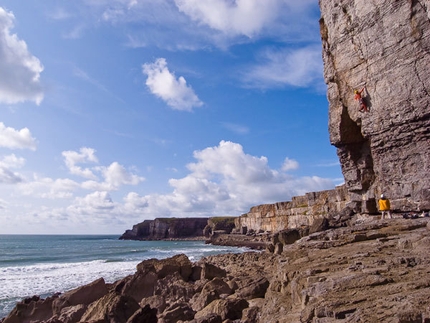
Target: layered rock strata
column 167, row 228
column 384, row 47
column 372, row 271
column 300, row 211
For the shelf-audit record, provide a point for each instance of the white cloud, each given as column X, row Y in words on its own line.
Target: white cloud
column 7, row 176
column 85, row 155
column 164, row 84
column 286, row 20
column 295, row 67
column 224, row 181
column 94, row 202
column 240, row 17
column 11, row 161
column 19, row 69
column 289, row 164
column 114, row 176
column 16, row 139
column 48, row 188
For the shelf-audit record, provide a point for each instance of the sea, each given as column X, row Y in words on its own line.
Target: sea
column 46, row 264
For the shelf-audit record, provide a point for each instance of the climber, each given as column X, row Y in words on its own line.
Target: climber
column 384, row 207
column 359, row 98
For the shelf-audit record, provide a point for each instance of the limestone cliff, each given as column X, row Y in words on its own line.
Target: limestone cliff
column 300, row 211
column 383, row 46
column 166, row 228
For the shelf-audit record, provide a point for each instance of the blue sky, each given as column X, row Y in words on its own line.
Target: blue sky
column 113, row 112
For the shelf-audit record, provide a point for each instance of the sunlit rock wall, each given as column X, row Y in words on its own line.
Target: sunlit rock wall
column 384, row 45
column 300, row 211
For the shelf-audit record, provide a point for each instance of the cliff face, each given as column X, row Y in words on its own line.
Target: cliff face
column 383, row 46
column 301, row 211
column 166, row 228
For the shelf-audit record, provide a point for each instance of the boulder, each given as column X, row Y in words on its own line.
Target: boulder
column 210, row 318
column 173, row 288
column 31, row 309
column 71, row 314
column 211, row 291
column 137, row 286
column 210, row 271
column 157, row 301
column 225, row 308
column 177, row 312
column 145, row 314
column 162, row 268
column 256, row 288
column 83, row 295
column 111, row 308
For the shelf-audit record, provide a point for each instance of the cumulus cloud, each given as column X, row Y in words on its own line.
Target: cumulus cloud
column 174, row 91
column 251, row 18
column 12, row 161
column 240, row 17
column 115, row 176
column 289, row 164
column 94, row 202
column 225, row 180
column 19, row 69
column 16, row 139
column 48, row 188
column 294, row 67
column 85, row 155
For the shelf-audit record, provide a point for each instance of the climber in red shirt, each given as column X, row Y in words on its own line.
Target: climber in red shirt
column 359, row 98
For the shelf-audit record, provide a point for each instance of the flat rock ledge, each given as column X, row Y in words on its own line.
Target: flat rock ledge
column 373, row 271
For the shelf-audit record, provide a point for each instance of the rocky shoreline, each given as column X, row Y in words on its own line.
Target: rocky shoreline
column 371, row 271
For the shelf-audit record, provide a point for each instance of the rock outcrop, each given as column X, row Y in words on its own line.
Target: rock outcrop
column 371, row 271
column 167, row 228
column 301, row 211
column 383, row 46
column 225, row 224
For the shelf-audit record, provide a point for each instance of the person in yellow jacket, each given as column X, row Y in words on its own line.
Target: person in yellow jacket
column 385, row 207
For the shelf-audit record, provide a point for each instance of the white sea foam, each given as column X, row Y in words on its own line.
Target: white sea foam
column 35, row 272
column 20, row 282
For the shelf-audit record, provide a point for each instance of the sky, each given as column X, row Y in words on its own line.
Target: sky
column 114, row 112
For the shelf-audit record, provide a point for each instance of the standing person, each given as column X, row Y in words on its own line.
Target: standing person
column 385, row 207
